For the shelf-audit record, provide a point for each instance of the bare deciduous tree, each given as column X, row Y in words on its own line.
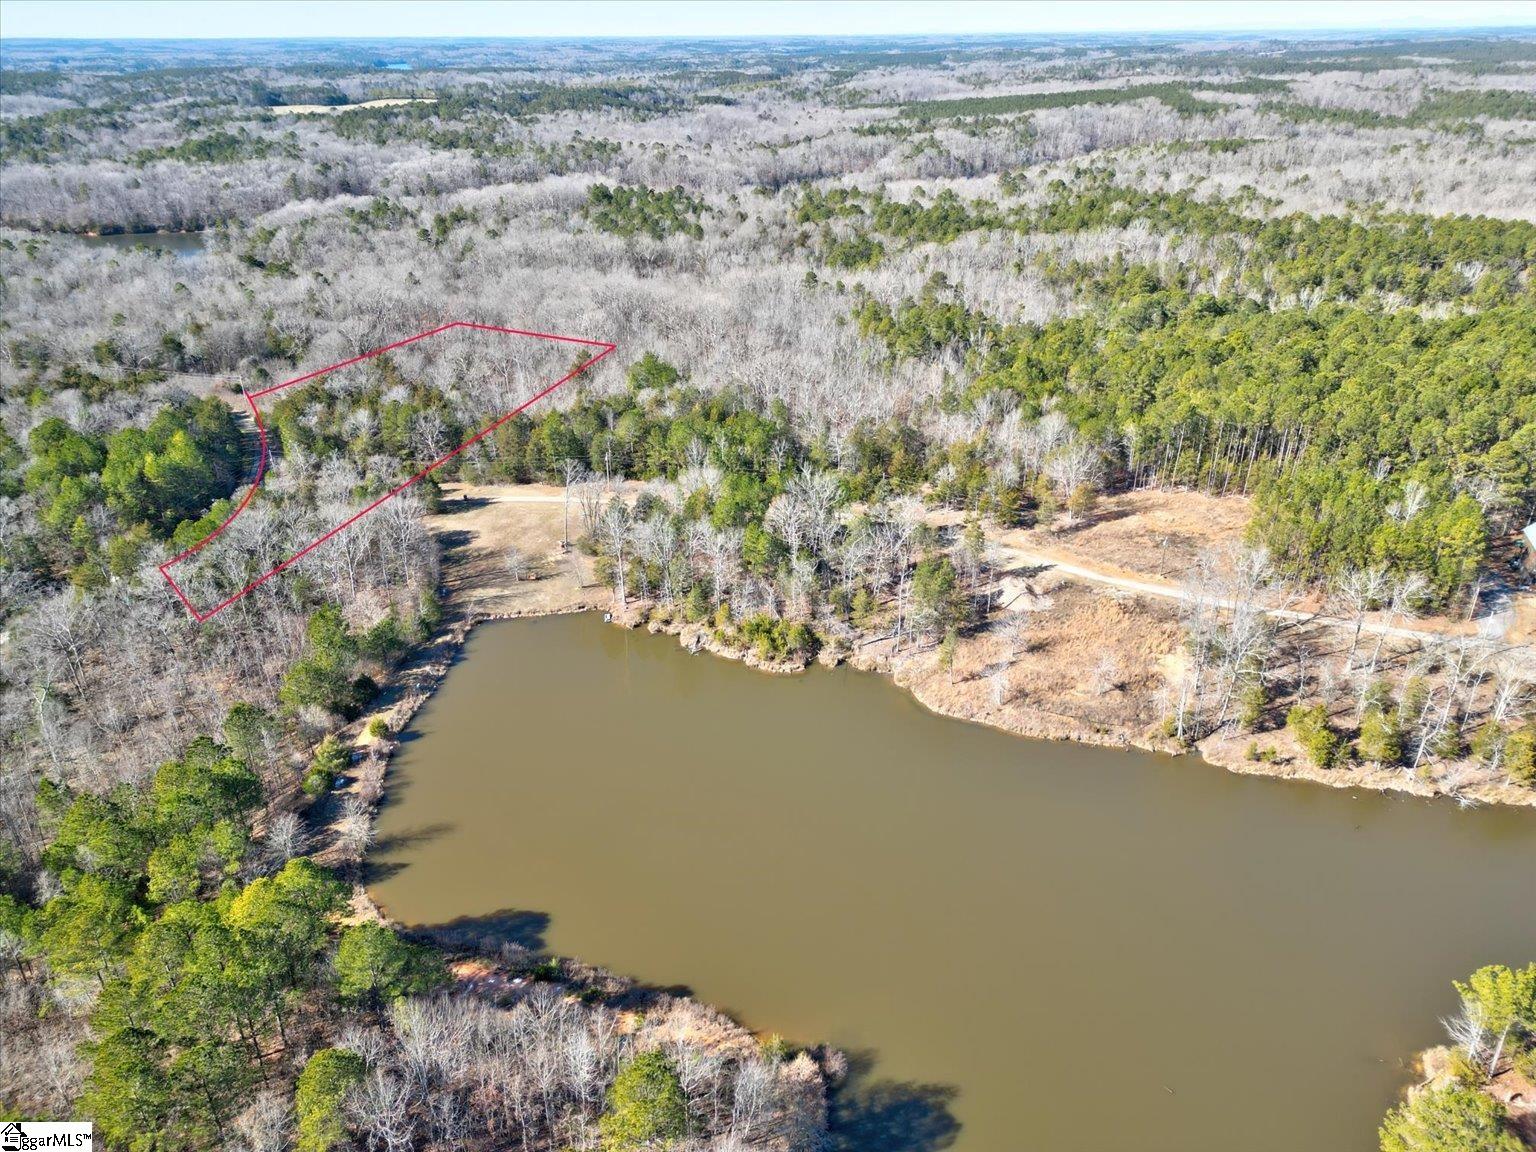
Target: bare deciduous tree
column 286, row 838
column 354, row 830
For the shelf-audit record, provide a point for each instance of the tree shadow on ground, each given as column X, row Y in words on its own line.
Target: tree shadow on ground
column 1102, row 514
column 454, row 539
column 872, row 1115
column 1525, row 1127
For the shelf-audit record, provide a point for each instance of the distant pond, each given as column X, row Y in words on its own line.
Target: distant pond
column 1033, row 945
column 182, row 245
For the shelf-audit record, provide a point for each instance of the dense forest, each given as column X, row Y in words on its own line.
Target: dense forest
column 876, row 304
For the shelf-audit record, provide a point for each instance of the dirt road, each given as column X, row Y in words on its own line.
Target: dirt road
column 1144, row 585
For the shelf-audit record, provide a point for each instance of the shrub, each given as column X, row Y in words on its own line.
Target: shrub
column 840, row 602
column 1525, row 1063
column 1488, row 743
column 865, row 605
column 363, row 689
column 1313, row 732
column 1046, row 504
column 1252, row 704
column 1450, row 1119
column 696, row 607
column 430, row 614
column 431, row 494
column 1415, row 697
column 1170, row 730
column 378, row 727
column 1381, row 740
column 1450, row 744
column 947, row 647
column 318, row 1098
column 779, row 640
column 1520, row 756
column 646, row 1106
column 329, row 762
column 1082, row 501
column 385, row 641
column 1463, row 1069
column 309, row 683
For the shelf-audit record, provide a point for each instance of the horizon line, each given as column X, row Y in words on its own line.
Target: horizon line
column 1179, row 34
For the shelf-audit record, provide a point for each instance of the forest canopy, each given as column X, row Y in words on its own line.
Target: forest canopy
column 1139, row 391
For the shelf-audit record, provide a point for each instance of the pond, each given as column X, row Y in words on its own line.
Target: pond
column 182, row 245
column 1027, row 945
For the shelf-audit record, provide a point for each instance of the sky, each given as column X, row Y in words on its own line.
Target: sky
column 116, row 19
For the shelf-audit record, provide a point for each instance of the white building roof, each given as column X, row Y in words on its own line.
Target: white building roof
column 1530, row 536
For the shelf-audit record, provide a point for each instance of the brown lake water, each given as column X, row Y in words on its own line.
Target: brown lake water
column 1033, row 945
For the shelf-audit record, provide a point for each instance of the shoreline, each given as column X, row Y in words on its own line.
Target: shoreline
column 477, row 972
column 1050, row 698
column 418, row 679
column 1435, row 1068
column 1034, row 722
column 475, row 590
column 474, row 969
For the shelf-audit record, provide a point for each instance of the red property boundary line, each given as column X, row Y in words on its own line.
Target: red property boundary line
column 261, row 466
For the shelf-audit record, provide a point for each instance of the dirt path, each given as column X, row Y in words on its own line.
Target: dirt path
column 1151, row 586
column 1020, row 549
